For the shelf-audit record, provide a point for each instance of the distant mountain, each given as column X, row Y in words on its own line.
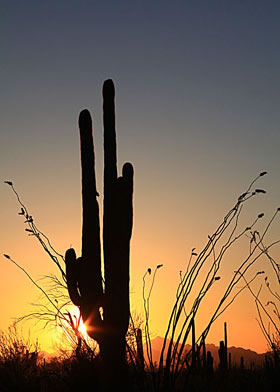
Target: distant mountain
column 251, row 358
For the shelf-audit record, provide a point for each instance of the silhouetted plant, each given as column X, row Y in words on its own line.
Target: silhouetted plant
column 209, row 362
column 104, row 305
column 104, row 311
column 15, row 348
column 146, row 302
column 181, row 319
column 222, row 356
column 269, row 313
column 54, row 308
column 223, row 352
column 19, row 360
column 33, row 230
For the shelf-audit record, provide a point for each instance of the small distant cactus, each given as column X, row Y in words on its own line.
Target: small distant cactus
column 226, row 345
column 209, row 362
column 223, row 351
column 229, row 361
column 204, row 360
column 104, row 307
column 222, row 356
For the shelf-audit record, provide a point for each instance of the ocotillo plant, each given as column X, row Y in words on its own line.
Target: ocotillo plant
column 104, row 307
column 193, row 343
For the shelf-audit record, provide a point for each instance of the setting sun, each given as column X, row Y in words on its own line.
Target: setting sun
column 83, row 329
column 74, row 324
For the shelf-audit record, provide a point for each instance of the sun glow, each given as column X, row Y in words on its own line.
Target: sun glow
column 82, row 329
column 74, row 324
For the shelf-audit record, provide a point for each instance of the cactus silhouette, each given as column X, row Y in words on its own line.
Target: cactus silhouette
column 104, row 305
column 226, row 345
column 223, row 351
column 203, row 351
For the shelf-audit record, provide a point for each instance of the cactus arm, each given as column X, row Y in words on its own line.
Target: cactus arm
column 90, row 280
column 72, row 276
column 120, row 268
column 90, row 230
column 126, row 200
column 84, row 279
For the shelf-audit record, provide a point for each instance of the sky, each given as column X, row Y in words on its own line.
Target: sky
column 197, row 105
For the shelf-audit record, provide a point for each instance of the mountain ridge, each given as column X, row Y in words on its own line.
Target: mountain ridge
column 251, row 358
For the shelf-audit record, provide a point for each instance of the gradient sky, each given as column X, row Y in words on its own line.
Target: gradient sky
column 197, row 90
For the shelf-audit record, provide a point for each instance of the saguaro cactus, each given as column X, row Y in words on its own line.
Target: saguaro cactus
column 104, row 307
column 223, row 351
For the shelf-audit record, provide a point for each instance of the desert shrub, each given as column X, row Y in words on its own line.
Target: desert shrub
column 19, row 360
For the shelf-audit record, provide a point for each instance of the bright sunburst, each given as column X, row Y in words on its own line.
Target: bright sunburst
column 82, row 329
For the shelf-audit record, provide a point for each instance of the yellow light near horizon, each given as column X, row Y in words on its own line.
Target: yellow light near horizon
column 83, row 329
column 78, row 320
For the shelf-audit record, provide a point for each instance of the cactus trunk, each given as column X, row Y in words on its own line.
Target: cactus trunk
column 117, row 228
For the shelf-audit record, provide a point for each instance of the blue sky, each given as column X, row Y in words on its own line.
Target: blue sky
column 184, row 71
